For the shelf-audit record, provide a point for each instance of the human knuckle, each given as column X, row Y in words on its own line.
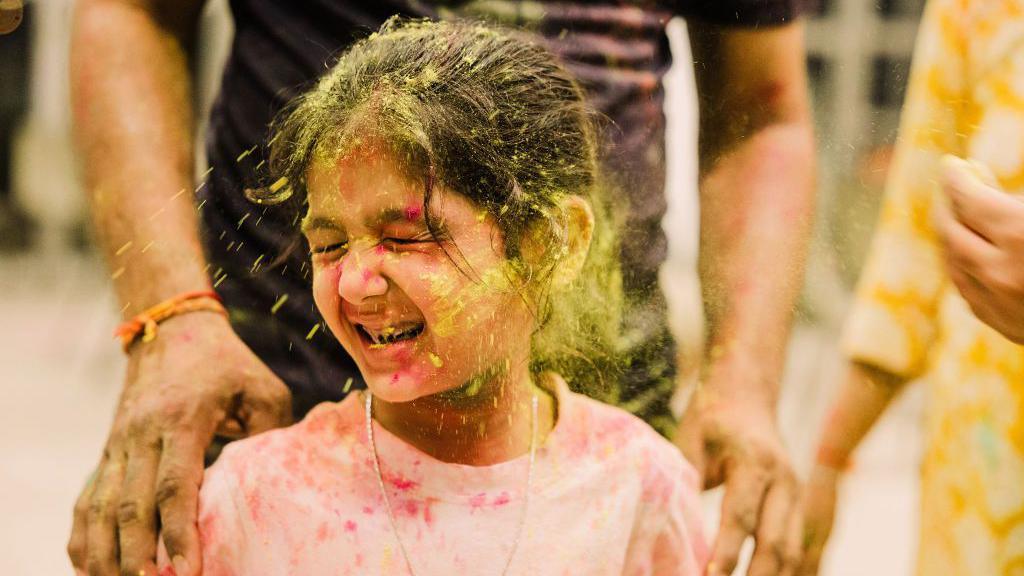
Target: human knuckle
column 76, row 551
column 139, row 424
column 777, row 551
column 129, row 511
column 96, row 566
column 168, row 488
column 99, row 510
column 791, row 558
column 745, row 518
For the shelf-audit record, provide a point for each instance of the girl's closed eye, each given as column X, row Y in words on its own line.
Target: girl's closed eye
column 399, row 242
column 325, row 250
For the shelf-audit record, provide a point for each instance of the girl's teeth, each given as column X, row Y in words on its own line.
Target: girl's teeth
column 390, row 335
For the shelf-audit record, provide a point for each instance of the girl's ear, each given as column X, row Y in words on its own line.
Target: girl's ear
column 578, row 222
column 564, row 238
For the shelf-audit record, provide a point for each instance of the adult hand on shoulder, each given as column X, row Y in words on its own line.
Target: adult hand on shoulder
column 819, row 509
column 196, row 379
column 734, row 441
column 983, row 237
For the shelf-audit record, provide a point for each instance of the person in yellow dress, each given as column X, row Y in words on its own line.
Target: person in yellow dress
column 909, row 321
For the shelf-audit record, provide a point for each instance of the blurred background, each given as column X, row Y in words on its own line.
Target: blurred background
column 61, row 370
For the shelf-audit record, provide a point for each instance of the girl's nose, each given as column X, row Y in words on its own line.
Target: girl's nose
column 360, row 277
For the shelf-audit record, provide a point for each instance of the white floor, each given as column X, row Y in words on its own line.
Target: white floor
column 60, row 371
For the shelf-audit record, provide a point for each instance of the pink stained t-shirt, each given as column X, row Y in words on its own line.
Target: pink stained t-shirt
column 609, row 497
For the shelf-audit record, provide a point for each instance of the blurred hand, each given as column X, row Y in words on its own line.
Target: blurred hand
column 983, row 236
column 819, row 514
column 735, row 441
column 195, row 379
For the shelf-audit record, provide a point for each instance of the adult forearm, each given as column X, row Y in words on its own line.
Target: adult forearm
column 756, row 209
column 133, row 125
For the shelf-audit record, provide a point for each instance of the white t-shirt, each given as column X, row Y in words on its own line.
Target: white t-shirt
column 609, row 497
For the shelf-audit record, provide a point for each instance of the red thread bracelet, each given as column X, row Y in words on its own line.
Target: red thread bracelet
column 144, row 326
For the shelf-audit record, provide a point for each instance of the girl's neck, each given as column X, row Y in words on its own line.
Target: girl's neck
column 486, row 421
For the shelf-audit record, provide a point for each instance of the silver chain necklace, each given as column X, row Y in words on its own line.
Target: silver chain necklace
column 387, row 501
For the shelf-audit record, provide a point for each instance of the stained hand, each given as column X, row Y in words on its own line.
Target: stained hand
column 196, row 379
column 735, row 442
column 819, row 514
column 983, row 236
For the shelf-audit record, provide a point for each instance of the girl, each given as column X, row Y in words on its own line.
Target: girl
column 460, row 255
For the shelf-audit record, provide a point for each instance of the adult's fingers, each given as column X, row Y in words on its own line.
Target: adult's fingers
column 101, row 516
column 794, row 547
column 741, row 506
column 965, row 249
column 978, row 205
column 979, row 297
column 772, row 556
column 810, row 562
column 136, row 512
column 80, row 521
column 177, row 495
column 267, row 407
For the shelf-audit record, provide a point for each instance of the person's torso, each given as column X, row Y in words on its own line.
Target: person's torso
column 312, row 504
column 973, row 468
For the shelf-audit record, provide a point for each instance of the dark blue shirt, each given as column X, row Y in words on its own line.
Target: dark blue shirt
column 618, row 50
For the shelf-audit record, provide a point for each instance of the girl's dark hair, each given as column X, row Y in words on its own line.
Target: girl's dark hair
column 492, row 115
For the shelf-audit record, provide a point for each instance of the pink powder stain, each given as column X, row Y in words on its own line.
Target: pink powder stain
column 428, row 516
column 350, row 526
column 168, row 571
column 501, row 499
column 322, row 532
column 478, row 501
column 412, row 213
column 367, row 274
column 394, row 378
column 380, row 249
column 410, row 507
column 255, row 502
column 367, row 510
column 402, row 483
column 208, row 527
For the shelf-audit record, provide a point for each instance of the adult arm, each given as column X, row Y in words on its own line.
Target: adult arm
column 983, row 238
column 865, row 394
column 756, row 191
column 133, row 125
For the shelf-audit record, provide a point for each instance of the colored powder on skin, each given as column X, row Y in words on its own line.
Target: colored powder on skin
column 412, row 213
column 436, row 360
column 322, row 533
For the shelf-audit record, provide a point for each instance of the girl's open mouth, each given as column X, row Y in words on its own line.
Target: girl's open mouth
column 390, row 335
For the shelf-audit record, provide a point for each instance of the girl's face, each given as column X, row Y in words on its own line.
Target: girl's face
column 414, row 323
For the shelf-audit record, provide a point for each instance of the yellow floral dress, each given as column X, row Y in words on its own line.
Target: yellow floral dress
column 966, row 97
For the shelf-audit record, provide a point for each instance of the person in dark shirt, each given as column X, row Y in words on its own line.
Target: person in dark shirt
column 269, row 362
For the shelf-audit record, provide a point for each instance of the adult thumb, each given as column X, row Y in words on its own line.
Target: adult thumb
column 266, row 405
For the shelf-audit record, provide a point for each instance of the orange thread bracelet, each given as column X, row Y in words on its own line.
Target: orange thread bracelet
column 144, row 325
column 831, row 458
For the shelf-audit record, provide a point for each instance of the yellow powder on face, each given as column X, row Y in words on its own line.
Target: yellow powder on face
column 436, row 360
